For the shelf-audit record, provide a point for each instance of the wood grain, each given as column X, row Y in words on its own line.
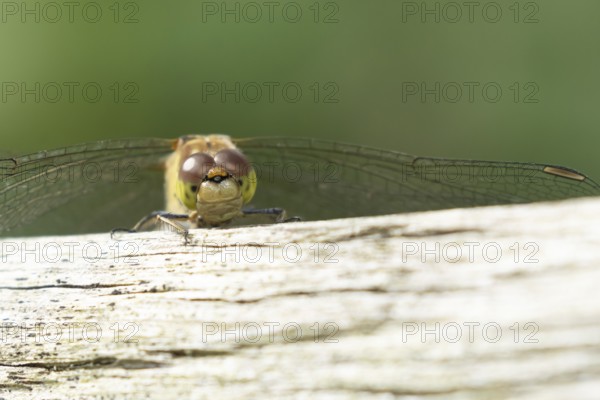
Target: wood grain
column 485, row 303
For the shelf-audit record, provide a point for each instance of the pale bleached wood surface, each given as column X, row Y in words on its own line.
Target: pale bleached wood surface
column 367, row 298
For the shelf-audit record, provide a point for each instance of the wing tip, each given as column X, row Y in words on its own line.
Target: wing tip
column 565, row 173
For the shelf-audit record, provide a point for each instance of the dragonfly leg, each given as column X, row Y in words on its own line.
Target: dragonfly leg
column 277, row 213
column 171, row 220
column 155, row 217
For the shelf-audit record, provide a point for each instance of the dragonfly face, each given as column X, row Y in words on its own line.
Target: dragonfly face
column 98, row 186
column 209, row 175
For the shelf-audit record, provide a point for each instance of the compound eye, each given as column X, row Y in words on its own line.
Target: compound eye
column 195, row 167
column 190, row 177
column 238, row 165
column 234, row 162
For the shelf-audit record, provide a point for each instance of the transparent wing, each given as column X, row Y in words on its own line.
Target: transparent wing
column 107, row 184
column 90, row 187
column 316, row 179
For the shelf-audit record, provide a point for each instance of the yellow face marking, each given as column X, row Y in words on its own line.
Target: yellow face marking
column 248, row 186
column 216, row 171
column 187, row 194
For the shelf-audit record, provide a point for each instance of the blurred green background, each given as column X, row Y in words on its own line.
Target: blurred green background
column 160, row 67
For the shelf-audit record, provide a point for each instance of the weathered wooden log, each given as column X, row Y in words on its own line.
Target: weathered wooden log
column 484, row 303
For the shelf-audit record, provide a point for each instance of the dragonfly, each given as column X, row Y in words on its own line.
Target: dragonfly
column 215, row 181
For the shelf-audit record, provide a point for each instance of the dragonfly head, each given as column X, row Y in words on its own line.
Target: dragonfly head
column 217, row 187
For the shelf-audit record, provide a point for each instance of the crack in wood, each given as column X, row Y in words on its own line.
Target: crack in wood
column 288, row 294
column 94, row 363
column 441, row 232
column 69, row 286
column 193, row 353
